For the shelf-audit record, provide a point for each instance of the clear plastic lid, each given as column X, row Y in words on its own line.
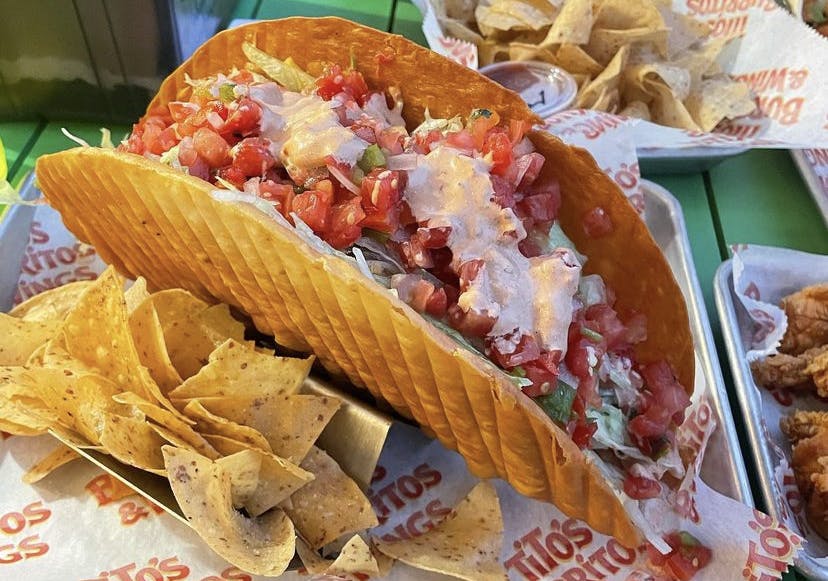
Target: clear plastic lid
column 546, row 88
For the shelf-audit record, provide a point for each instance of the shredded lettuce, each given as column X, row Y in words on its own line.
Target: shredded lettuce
column 612, row 427
column 285, row 72
column 11, row 197
column 106, row 139
column 170, row 158
column 558, row 404
column 592, row 290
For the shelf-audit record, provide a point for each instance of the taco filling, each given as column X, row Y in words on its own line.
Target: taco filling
column 453, row 218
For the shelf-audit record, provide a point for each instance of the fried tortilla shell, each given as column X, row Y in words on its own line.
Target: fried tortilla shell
column 145, row 218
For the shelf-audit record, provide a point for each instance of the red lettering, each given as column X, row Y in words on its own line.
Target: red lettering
column 131, row 513
column 436, row 511
column 9, row 555
column 577, row 532
column 756, row 558
column 31, row 547
column 532, row 539
column 427, row 475
column 107, row 489
column 122, row 573
column 516, row 561
column 173, row 570
column 379, row 474
column 620, row 553
column 36, row 513
column 575, row 574
column 409, row 486
column 12, row 522
column 233, row 573
column 413, row 526
column 37, row 235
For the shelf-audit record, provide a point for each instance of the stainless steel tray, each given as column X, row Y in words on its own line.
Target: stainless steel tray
column 811, row 179
column 732, row 314
column 723, row 468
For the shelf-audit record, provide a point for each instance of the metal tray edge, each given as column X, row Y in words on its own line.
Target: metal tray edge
column 810, row 179
column 706, row 344
column 748, row 398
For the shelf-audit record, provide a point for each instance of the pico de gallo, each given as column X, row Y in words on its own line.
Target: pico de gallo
column 455, row 220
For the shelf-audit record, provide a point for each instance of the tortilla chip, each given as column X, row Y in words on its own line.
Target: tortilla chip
column 290, row 423
column 58, row 457
column 313, row 562
column 136, row 294
column 575, row 60
column 53, row 304
column 701, row 61
column 208, row 423
column 607, row 81
column 666, row 109
column 23, row 417
column 627, row 14
column 175, row 422
column 684, row 31
column 22, row 338
column 225, row 445
column 331, row 505
column 274, row 479
column 149, row 342
column 605, row 43
column 261, row 546
column 719, row 99
column 637, row 110
column 236, row 370
column 175, row 304
column 355, row 557
column 465, row 545
column 97, row 334
column 132, row 441
column 499, row 15
column 572, row 24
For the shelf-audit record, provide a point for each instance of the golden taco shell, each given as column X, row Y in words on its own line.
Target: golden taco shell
column 147, row 219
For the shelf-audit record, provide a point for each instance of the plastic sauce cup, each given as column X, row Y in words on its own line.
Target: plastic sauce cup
column 546, row 88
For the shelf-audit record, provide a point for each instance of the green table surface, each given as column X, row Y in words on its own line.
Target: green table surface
column 756, row 197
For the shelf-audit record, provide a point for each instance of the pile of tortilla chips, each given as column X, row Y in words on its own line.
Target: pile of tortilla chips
column 167, row 383
column 630, row 57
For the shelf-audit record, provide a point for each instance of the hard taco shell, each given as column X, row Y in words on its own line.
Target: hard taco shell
column 147, row 219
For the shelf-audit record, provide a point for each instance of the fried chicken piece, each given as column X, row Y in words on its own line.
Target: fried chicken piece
column 810, row 465
column 803, row 424
column 807, row 312
column 818, row 370
column 790, row 371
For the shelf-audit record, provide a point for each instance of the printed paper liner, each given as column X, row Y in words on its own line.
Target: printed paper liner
column 146, row 218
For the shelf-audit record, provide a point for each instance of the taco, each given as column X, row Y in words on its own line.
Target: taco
column 363, row 198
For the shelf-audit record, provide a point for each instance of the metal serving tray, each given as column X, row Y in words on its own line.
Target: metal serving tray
column 723, row 468
column 811, row 179
column 732, row 315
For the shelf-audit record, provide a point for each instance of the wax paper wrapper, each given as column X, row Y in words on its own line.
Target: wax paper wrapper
column 788, row 79
column 761, row 277
column 77, row 523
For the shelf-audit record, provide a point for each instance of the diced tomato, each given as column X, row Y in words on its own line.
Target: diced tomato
column 526, row 350
column 462, row 140
column 543, row 372
column 664, row 402
column 346, row 220
column 380, row 191
column 498, row 145
column 392, row 139
column 242, row 77
column 504, row 191
column 541, row 207
column 436, row 237
column 517, row 129
column 437, row 303
column 581, row 431
column 597, row 223
column 480, row 125
column 244, row 119
column 639, row 487
column 211, row 146
column 364, row 129
column 414, row 254
column 134, row 143
column 468, row 271
column 582, row 355
column 529, row 247
column 608, row 325
column 314, row 209
column 423, row 141
column 528, row 168
column 180, row 110
column 253, row 157
column 281, row 194
column 336, row 81
column 687, row 558
column 470, row 323
column 233, row 175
